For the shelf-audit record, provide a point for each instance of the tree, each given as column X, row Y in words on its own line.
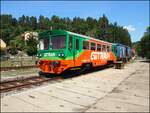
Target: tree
column 6, row 34
column 137, row 47
column 145, row 44
column 5, row 20
column 31, row 47
column 103, row 26
column 79, row 25
column 2, row 52
column 44, row 23
column 33, row 22
column 22, row 21
column 11, row 28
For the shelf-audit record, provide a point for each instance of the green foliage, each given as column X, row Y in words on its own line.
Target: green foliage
column 137, row 47
column 31, row 46
column 12, row 28
column 33, row 22
column 44, row 23
column 2, row 52
column 18, row 43
column 145, row 44
column 13, row 50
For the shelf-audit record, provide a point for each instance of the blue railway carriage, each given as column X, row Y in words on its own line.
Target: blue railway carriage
column 122, row 52
column 128, row 53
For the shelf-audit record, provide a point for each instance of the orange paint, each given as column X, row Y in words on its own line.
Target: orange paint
column 85, row 57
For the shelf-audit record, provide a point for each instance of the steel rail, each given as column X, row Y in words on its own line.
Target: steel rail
column 26, row 83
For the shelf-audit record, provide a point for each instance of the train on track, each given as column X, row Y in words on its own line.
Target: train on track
column 61, row 50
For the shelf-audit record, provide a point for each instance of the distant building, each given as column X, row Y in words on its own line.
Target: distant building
column 28, row 35
column 2, row 44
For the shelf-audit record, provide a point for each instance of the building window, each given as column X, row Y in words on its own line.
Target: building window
column 46, row 44
column 85, row 45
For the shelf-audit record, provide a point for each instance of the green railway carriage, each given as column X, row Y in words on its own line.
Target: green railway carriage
column 60, row 50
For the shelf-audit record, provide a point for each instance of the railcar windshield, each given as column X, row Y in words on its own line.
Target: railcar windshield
column 54, row 42
column 44, row 44
column 58, row 42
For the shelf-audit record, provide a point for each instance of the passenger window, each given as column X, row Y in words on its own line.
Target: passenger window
column 116, row 49
column 93, row 46
column 108, row 48
column 104, row 48
column 77, row 44
column 70, row 42
column 98, row 47
column 85, row 45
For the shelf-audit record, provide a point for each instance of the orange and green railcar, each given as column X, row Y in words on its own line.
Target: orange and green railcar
column 61, row 50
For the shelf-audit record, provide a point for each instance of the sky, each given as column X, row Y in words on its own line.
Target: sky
column 132, row 15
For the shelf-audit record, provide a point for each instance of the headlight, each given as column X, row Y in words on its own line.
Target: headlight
column 61, row 54
column 39, row 55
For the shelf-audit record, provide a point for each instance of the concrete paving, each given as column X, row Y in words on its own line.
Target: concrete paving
column 132, row 95
column 102, row 91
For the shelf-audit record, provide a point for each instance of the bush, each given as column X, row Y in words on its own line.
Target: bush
column 31, row 51
column 31, row 46
column 2, row 52
column 13, row 51
column 145, row 46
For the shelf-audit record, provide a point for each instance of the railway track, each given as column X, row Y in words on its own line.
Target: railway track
column 7, row 86
column 17, row 84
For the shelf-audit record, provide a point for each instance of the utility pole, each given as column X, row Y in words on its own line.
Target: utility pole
column 114, row 34
column 51, row 28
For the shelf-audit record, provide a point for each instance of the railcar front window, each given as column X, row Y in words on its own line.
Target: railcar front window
column 58, row 42
column 44, row 44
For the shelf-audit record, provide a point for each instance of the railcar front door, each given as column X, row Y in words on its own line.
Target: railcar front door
column 72, row 48
column 76, row 49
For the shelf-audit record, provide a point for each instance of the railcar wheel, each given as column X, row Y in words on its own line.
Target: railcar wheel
column 110, row 64
column 41, row 73
column 46, row 74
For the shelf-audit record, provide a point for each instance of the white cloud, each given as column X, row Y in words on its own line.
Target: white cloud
column 130, row 28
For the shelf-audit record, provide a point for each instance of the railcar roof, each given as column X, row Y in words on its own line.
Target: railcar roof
column 72, row 33
column 87, row 37
column 121, row 45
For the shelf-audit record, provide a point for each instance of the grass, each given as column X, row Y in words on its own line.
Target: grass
column 17, row 62
column 19, row 72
